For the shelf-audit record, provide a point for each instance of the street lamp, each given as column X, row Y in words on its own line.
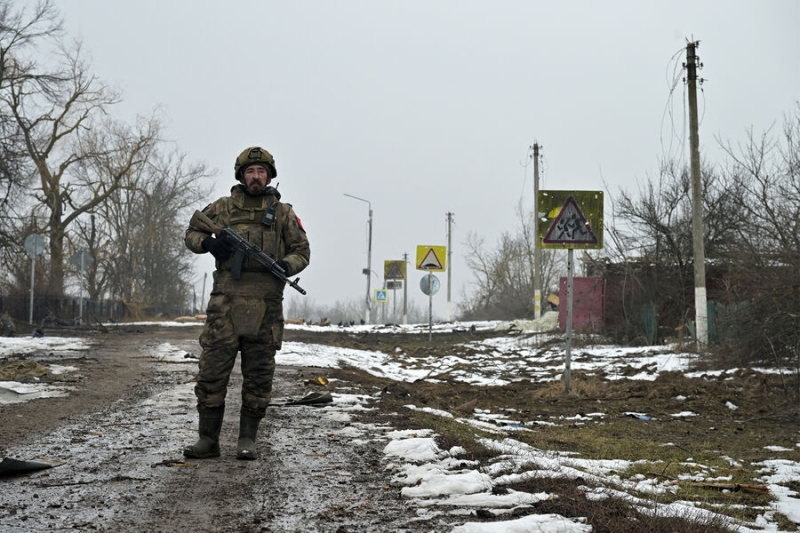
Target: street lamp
column 367, row 270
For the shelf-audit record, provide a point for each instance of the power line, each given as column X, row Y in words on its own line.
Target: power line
column 677, row 74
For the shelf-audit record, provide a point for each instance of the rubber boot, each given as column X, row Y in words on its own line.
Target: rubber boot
column 207, row 445
column 248, row 427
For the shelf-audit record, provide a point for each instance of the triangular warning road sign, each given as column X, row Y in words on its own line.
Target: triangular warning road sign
column 430, row 261
column 570, row 226
column 395, row 272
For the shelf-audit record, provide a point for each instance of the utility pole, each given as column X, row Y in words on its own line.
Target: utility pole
column 537, row 252
column 405, row 292
column 700, row 297
column 449, row 264
column 367, row 271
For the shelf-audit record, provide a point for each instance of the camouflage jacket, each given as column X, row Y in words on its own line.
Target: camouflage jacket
column 284, row 239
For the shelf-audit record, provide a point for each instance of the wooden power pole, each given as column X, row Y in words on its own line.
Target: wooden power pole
column 449, row 264
column 700, row 298
column 537, row 252
column 405, row 291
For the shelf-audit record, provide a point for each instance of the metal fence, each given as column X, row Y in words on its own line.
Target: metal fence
column 50, row 310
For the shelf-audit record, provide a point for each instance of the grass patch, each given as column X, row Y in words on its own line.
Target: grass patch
column 449, row 433
column 701, row 430
column 609, row 514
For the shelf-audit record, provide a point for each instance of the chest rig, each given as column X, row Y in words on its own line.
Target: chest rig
column 256, row 219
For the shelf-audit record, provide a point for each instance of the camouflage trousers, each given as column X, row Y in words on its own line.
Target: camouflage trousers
column 234, row 324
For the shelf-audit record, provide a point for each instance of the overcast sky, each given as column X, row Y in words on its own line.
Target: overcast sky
column 430, row 107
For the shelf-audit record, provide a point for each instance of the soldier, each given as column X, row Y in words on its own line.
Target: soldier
column 245, row 314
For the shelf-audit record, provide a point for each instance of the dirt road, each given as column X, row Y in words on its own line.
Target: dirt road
column 120, row 433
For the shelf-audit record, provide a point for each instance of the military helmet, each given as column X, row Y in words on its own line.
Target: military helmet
column 252, row 155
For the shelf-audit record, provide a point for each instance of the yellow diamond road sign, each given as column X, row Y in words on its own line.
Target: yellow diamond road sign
column 431, row 258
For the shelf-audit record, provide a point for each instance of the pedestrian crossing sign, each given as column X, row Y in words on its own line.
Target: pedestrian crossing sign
column 431, row 258
column 381, row 295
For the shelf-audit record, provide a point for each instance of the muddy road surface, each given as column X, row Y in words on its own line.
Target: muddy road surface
column 118, row 436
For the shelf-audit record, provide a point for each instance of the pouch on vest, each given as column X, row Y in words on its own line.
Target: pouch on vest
column 236, row 264
column 247, row 314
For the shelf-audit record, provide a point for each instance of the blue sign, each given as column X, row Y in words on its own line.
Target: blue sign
column 429, row 284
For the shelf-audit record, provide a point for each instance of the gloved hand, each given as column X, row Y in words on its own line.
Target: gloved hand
column 284, row 265
column 220, row 249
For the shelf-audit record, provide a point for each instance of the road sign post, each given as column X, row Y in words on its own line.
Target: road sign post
column 82, row 259
column 431, row 259
column 381, row 296
column 393, row 271
column 34, row 245
column 569, row 220
column 429, row 285
column 393, row 285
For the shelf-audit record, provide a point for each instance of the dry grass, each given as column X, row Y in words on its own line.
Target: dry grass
column 717, row 443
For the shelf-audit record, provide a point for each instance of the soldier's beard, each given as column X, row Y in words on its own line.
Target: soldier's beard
column 255, row 188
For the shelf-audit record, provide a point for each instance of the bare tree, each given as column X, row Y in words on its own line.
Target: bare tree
column 141, row 255
column 91, row 173
column 651, row 249
column 659, row 217
column 765, row 272
column 751, row 213
column 21, row 31
column 768, row 172
column 504, row 286
column 93, row 236
column 62, row 122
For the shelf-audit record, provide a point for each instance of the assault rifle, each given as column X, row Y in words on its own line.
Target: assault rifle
column 242, row 249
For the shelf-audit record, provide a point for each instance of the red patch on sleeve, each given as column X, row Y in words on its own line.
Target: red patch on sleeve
column 299, row 223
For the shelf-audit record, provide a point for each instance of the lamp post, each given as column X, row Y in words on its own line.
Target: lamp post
column 367, row 270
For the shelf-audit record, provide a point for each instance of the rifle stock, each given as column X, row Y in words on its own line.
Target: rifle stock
column 242, row 248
